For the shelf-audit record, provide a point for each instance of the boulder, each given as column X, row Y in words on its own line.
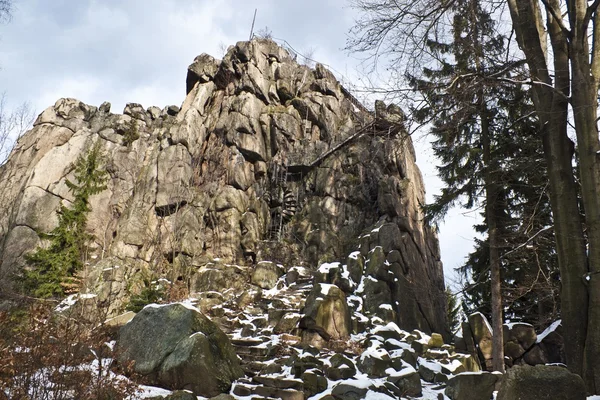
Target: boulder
column 553, row 343
column 326, row 305
column 431, row 371
column 313, row 383
column 374, row 362
column 473, row 386
column 375, row 294
column 347, row 391
column 179, row 348
column 542, row 382
column 355, row 264
column 436, row 341
column 408, row 384
column 266, row 274
column 520, row 332
column 482, row 335
column 341, row 368
column 535, row 356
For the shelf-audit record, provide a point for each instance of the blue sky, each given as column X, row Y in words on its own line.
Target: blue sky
column 139, row 50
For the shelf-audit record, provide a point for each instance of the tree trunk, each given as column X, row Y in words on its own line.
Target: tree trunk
column 584, row 102
column 491, row 215
column 550, row 98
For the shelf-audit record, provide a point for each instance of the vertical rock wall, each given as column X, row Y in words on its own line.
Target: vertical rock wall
column 265, row 159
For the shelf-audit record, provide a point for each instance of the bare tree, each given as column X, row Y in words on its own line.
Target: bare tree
column 13, row 124
column 564, row 38
column 6, row 9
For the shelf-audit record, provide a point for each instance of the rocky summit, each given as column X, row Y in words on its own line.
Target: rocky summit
column 272, row 198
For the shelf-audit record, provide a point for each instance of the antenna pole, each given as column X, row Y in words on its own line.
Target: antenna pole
column 252, row 28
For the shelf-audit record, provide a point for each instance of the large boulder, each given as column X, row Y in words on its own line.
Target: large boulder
column 482, row 335
column 542, row 382
column 472, row 386
column 552, row 343
column 326, row 306
column 178, row 347
column 266, row 274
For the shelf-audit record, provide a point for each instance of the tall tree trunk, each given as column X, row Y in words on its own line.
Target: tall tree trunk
column 550, row 98
column 584, row 101
column 491, row 215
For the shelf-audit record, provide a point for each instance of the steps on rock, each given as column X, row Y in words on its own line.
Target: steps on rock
column 246, row 389
column 278, row 382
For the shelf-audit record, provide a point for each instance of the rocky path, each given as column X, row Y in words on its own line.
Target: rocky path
column 383, row 362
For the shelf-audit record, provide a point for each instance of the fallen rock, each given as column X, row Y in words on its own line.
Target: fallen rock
column 346, row 391
column 374, row 362
column 473, row 386
column 266, row 274
column 327, row 306
column 408, row 383
column 179, row 348
column 542, row 382
column 482, row 335
column 313, row 383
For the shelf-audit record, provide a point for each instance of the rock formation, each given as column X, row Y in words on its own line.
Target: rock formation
column 522, row 345
column 179, row 348
column 265, row 160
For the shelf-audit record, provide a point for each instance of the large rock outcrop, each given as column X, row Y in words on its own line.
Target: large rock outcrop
column 265, row 160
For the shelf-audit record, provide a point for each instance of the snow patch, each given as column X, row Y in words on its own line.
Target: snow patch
column 326, row 267
column 325, row 287
column 549, row 330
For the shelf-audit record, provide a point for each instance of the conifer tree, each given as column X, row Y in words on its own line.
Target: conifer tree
column 478, row 124
column 52, row 268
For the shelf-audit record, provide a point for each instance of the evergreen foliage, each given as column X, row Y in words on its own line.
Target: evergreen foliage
column 454, row 311
column 53, row 268
column 150, row 293
column 470, row 108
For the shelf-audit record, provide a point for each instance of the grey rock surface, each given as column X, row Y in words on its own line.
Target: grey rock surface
column 262, row 150
column 542, row 382
column 179, row 348
column 472, row 386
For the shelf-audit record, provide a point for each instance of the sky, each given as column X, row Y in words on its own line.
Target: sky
column 139, row 50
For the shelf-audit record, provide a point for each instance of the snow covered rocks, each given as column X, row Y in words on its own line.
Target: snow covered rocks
column 178, row 347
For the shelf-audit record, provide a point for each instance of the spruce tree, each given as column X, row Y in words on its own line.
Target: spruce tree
column 52, row 268
column 486, row 140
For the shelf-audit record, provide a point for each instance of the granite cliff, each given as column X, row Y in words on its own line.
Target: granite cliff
column 266, row 159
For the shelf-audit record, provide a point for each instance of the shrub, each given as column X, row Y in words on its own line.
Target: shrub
column 46, row 355
column 150, row 293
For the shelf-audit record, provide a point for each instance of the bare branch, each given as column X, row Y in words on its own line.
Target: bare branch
column 557, row 17
column 545, row 229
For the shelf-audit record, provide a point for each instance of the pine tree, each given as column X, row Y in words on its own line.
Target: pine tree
column 52, row 269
